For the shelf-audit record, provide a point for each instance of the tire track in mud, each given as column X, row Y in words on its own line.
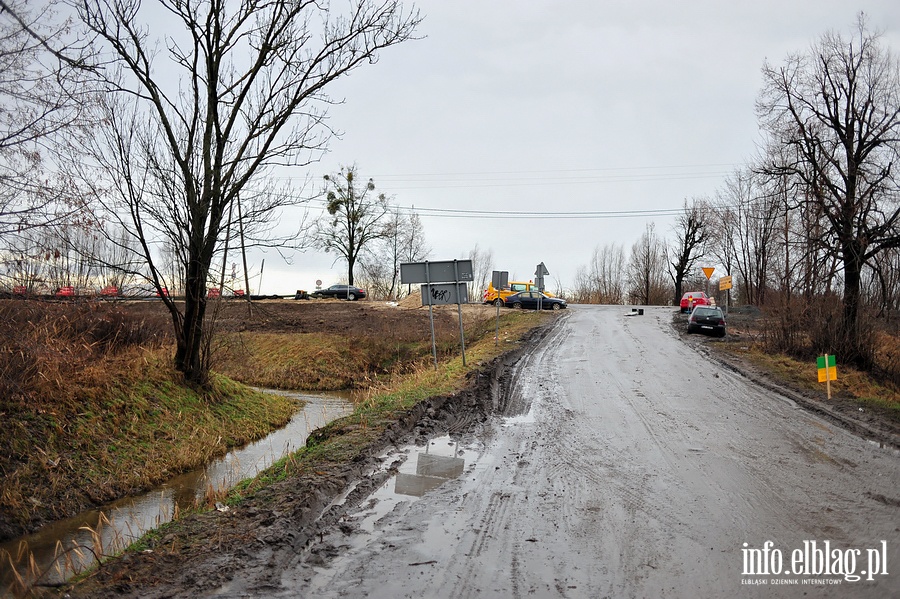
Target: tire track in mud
column 532, row 385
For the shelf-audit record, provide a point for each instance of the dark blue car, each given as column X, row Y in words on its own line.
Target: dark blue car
column 529, row 300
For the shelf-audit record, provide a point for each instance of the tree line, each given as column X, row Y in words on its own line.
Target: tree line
column 811, row 228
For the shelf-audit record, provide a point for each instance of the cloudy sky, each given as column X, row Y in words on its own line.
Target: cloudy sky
column 565, row 113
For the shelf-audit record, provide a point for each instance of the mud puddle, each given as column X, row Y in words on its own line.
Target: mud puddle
column 67, row 547
column 423, row 469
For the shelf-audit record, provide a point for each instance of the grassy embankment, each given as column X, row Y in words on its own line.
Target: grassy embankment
column 851, row 383
column 93, row 411
column 385, row 401
column 382, row 404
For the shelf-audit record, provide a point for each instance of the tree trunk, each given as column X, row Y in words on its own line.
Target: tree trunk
column 852, row 284
column 679, row 286
column 189, row 355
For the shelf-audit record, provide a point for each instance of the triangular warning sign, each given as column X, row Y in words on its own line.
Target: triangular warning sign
column 708, row 271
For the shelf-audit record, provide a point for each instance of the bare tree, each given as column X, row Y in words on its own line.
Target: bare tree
column 646, row 270
column 42, row 69
column 483, row 270
column 415, row 247
column 884, row 281
column 692, row 234
column 404, row 241
column 836, row 112
column 603, row 280
column 356, row 217
column 194, row 120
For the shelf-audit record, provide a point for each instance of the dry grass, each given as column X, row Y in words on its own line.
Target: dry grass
column 352, row 360
column 387, row 399
column 803, row 374
column 93, row 411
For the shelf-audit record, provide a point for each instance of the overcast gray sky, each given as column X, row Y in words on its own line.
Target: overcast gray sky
column 556, row 107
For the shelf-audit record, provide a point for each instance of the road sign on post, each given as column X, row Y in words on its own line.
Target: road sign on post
column 499, row 280
column 443, row 294
column 436, row 272
column 725, row 285
column 448, row 271
column 539, row 272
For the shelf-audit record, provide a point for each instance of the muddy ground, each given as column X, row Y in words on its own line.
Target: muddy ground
column 208, row 550
column 872, row 421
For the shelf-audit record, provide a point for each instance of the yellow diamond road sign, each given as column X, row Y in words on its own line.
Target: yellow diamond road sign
column 708, row 271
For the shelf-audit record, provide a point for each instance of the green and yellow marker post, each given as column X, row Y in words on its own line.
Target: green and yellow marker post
column 827, row 371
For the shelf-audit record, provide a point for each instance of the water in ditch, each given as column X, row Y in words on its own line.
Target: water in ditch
column 66, row 547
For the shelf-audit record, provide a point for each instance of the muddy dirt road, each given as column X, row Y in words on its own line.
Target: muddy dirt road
column 626, row 466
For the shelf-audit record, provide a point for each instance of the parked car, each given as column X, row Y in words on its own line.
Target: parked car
column 347, row 292
column 496, row 297
column 707, row 319
column 529, row 299
column 694, row 298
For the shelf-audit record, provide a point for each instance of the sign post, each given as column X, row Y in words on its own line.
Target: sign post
column 457, row 272
column 725, row 285
column 827, row 371
column 499, row 280
column 462, row 334
column 539, row 273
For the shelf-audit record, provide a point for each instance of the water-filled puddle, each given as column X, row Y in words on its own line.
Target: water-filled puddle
column 424, row 469
column 64, row 548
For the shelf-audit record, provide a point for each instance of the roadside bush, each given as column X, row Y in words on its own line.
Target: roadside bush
column 806, row 329
column 44, row 346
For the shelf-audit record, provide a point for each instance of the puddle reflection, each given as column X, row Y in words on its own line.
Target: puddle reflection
column 431, row 471
column 425, row 469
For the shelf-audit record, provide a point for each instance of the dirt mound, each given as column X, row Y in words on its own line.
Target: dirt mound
column 411, row 301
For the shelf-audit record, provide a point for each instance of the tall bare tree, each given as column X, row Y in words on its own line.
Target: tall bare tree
column 692, row 234
column 834, row 112
column 42, row 71
column 195, row 118
column 355, row 217
column 647, row 270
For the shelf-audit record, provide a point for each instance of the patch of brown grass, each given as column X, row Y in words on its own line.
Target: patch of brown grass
column 93, row 410
column 803, row 374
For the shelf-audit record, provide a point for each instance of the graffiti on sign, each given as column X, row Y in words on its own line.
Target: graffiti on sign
column 439, row 294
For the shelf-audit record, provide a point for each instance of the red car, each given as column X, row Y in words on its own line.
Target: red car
column 694, row 298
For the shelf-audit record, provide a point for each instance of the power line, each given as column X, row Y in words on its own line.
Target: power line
column 516, row 214
column 529, row 178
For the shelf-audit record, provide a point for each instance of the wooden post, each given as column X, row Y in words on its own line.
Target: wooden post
column 827, row 377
